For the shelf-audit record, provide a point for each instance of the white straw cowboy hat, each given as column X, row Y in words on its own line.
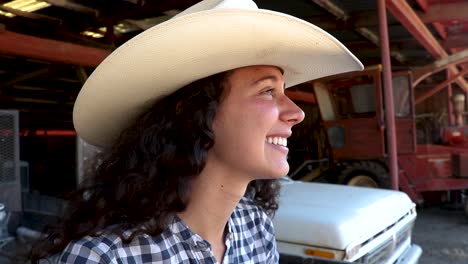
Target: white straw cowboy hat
column 210, row 37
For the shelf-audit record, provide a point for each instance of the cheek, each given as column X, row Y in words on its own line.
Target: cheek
column 245, row 119
column 265, row 112
column 255, row 118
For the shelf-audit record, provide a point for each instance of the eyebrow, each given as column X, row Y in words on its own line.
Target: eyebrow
column 267, row 77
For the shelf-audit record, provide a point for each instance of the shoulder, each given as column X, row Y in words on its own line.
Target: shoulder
column 91, row 249
column 109, row 248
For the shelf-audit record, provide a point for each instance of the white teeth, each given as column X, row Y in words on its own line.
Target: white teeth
column 277, row 141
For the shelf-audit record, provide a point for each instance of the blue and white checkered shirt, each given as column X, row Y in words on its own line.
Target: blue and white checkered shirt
column 250, row 239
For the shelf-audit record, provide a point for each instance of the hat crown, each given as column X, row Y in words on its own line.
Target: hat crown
column 210, row 37
column 236, row 4
column 218, row 4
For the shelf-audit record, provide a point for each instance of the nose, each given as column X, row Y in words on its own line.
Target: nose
column 290, row 112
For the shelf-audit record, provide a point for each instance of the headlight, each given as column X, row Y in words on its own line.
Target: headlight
column 324, row 253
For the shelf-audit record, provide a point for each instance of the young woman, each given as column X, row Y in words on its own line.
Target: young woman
column 195, row 120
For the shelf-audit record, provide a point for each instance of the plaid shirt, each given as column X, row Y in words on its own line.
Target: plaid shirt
column 250, row 239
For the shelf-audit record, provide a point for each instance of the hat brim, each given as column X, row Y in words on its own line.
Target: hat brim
column 181, row 50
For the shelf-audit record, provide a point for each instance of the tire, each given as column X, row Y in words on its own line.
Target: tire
column 365, row 174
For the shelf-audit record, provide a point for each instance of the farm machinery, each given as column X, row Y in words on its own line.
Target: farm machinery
column 351, row 108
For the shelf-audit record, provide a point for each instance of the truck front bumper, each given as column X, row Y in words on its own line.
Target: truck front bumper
column 411, row 255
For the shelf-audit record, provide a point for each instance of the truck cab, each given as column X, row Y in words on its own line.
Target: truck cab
column 352, row 116
column 352, row 111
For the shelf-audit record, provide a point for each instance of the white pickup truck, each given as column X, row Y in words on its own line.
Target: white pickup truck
column 332, row 223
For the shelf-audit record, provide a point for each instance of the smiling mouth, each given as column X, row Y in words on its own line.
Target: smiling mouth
column 280, row 141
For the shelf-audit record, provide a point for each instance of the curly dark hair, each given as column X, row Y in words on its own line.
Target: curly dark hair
column 145, row 178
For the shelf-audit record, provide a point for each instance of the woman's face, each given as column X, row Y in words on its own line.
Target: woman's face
column 253, row 123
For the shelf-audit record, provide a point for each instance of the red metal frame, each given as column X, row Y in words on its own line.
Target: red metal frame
column 431, row 168
column 422, row 168
column 421, row 73
column 50, row 50
column 440, row 86
column 403, row 12
column 388, row 91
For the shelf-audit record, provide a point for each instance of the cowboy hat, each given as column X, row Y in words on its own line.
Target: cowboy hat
column 210, row 37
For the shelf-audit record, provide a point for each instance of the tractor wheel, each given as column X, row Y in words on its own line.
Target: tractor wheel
column 365, row 174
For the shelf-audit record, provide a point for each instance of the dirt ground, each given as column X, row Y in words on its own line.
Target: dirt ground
column 442, row 232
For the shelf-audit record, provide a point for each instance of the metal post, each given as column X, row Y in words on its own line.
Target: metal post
column 466, row 107
column 449, row 101
column 388, row 92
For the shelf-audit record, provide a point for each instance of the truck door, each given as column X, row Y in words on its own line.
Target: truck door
column 351, row 109
column 403, row 100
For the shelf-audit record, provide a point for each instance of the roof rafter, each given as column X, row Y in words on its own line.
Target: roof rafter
column 410, row 20
column 444, row 12
column 50, row 50
column 25, row 77
column 74, row 6
column 422, row 72
column 363, row 31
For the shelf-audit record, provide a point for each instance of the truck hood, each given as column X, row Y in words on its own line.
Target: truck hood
column 335, row 216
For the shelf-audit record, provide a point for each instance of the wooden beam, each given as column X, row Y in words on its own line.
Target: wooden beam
column 374, row 38
column 25, row 77
column 55, row 109
column 59, row 95
column 82, row 75
column 30, row 101
column 400, row 44
column 367, row 33
column 30, row 15
column 332, row 8
column 423, row 4
column 50, row 50
column 146, row 9
column 30, row 88
column 439, row 11
column 410, row 20
column 440, row 29
column 147, row 23
column 40, row 101
column 440, row 87
column 421, row 73
column 74, row 6
column 448, row 12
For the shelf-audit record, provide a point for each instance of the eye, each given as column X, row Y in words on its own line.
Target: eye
column 269, row 91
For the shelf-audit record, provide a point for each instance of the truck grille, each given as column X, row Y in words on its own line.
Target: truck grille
column 386, row 250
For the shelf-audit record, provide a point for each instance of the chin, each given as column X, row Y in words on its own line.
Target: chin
column 280, row 173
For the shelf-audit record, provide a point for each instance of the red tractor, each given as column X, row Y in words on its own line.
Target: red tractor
column 352, row 114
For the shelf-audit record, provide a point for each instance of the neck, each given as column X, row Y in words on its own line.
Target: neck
column 214, row 195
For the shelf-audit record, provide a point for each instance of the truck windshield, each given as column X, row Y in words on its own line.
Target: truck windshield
column 354, row 98
column 401, row 95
